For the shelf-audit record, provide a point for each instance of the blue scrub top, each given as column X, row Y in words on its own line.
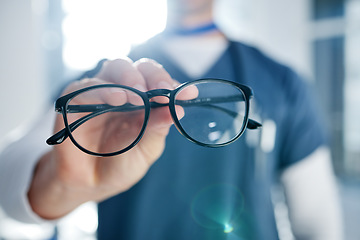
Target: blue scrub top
column 193, row 192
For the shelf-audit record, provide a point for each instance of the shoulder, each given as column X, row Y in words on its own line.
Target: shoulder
column 264, row 73
column 254, row 57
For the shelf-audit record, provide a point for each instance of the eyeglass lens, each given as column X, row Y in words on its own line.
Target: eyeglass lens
column 122, row 112
column 216, row 115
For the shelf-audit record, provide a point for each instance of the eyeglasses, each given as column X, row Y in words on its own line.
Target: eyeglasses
column 208, row 112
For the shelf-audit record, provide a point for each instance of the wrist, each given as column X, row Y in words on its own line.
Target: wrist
column 51, row 197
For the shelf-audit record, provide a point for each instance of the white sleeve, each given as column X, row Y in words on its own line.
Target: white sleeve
column 17, row 163
column 313, row 199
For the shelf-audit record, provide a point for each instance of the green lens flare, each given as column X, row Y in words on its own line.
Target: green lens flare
column 228, row 228
column 218, row 207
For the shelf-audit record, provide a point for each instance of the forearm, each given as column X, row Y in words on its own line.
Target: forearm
column 51, row 197
column 311, row 190
column 17, row 163
column 63, row 181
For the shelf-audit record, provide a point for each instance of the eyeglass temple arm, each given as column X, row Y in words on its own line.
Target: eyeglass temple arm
column 97, row 109
column 60, row 136
column 252, row 124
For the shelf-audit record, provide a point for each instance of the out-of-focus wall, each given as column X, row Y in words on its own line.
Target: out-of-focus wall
column 22, row 73
column 281, row 28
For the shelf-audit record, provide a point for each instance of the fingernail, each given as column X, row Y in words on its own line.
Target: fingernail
column 175, row 83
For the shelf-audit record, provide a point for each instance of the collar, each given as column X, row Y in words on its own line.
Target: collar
column 192, row 31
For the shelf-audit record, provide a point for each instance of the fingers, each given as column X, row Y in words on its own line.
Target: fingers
column 114, row 96
column 155, row 75
column 144, row 75
column 86, row 82
column 122, row 71
column 187, row 93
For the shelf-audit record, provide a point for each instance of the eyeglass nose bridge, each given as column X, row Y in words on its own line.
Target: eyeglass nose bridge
column 158, row 93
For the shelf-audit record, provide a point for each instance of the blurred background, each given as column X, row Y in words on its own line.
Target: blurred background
column 45, row 43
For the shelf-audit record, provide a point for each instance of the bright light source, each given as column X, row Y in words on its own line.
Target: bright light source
column 97, row 29
column 228, row 228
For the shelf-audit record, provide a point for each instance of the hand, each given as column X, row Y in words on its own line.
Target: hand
column 67, row 177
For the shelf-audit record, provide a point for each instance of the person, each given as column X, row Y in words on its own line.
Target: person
column 166, row 187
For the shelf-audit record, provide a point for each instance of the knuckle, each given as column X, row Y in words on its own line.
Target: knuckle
column 112, row 66
column 120, row 71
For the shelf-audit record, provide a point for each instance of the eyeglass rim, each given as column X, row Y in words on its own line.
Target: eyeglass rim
column 108, row 154
column 246, row 91
column 62, row 103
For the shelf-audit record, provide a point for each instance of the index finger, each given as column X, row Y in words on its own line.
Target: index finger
column 156, row 77
column 122, row 71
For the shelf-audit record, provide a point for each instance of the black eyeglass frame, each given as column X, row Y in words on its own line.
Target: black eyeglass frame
column 61, row 106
